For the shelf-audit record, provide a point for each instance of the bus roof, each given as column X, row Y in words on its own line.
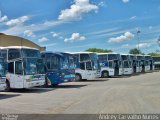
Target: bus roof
column 18, row 47
column 124, row 54
column 81, row 52
column 139, row 55
column 107, row 53
column 50, row 52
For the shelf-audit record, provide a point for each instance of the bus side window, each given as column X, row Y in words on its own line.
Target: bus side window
column 18, row 68
column 88, row 66
column 11, row 67
column 82, row 66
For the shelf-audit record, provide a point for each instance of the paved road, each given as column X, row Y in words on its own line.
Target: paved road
column 135, row 94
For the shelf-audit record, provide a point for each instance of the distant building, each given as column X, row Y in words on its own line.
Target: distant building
column 157, row 62
column 9, row 40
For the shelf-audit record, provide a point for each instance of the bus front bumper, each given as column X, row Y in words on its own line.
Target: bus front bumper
column 128, row 71
column 2, row 86
column 34, row 83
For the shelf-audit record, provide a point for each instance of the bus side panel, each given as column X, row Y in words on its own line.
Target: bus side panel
column 11, row 79
column 54, row 78
column 33, row 80
column 2, row 84
column 69, row 75
column 82, row 73
column 19, row 82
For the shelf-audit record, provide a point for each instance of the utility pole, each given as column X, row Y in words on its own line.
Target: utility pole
column 158, row 41
column 138, row 32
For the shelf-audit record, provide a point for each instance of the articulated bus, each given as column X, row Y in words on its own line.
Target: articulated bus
column 87, row 66
column 149, row 64
column 2, row 73
column 110, row 63
column 126, row 65
column 25, row 67
column 59, row 67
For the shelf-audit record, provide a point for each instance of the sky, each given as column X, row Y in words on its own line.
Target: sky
column 76, row 25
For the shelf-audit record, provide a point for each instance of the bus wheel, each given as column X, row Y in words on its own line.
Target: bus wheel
column 7, row 89
column 105, row 74
column 46, row 82
column 78, row 77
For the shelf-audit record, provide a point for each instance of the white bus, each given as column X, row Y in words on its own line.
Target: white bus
column 135, row 63
column 144, row 63
column 2, row 73
column 25, row 67
column 110, row 63
column 87, row 66
column 149, row 64
column 139, row 59
column 126, row 65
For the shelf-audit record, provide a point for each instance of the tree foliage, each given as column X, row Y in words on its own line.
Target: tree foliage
column 154, row 54
column 135, row 51
column 98, row 50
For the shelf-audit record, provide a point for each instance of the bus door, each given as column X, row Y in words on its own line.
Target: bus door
column 15, row 74
column 90, row 73
column 116, row 67
column 151, row 65
column 134, row 65
column 18, row 75
column 143, row 65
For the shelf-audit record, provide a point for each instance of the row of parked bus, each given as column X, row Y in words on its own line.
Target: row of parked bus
column 24, row 67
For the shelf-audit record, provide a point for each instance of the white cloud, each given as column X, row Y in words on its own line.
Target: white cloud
column 3, row 18
column 76, row 10
column 102, row 4
column 43, row 39
column 144, row 45
column 29, row 33
column 18, row 30
column 17, row 21
column 125, row 1
column 133, row 17
column 75, row 37
column 126, row 36
column 54, row 34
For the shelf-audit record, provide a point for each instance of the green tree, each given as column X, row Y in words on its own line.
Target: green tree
column 135, row 51
column 98, row 50
column 154, row 54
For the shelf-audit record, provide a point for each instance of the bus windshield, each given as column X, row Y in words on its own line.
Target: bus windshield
column 33, row 66
column 124, row 57
column 132, row 57
column 148, row 58
column 71, row 63
column 102, row 58
column 112, row 57
column 65, row 63
column 139, row 57
column 147, row 63
column 2, row 68
column 126, row 64
column 30, row 53
column 95, row 61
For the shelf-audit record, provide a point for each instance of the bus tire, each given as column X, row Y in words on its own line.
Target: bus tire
column 46, row 83
column 7, row 89
column 105, row 74
column 78, row 77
